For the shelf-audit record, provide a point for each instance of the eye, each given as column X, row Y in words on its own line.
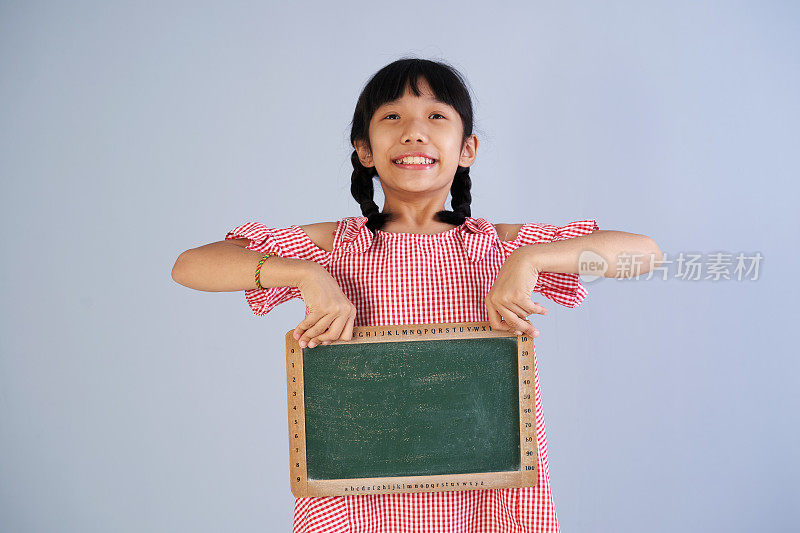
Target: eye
column 396, row 115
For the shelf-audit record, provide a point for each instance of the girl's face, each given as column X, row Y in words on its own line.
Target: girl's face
column 417, row 125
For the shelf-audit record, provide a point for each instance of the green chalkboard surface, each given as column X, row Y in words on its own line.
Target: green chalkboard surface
column 411, row 408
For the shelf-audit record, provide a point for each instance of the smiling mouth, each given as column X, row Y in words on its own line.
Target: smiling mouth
column 415, row 163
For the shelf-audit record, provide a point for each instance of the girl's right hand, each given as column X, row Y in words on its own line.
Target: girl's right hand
column 331, row 316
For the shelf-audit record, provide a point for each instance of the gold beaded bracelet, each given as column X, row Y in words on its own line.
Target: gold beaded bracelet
column 258, row 269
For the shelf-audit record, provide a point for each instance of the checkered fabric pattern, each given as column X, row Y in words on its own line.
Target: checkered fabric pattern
column 405, row 278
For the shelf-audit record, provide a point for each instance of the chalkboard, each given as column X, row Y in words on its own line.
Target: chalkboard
column 425, row 407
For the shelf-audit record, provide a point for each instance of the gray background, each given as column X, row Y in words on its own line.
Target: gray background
column 131, row 133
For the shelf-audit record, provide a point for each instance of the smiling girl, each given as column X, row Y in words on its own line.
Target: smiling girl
column 414, row 262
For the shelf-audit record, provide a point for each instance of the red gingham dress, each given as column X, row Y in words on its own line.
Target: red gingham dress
column 405, row 278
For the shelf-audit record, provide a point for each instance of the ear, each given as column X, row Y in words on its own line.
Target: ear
column 469, row 152
column 364, row 154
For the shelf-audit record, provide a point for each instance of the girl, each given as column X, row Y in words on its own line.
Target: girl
column 413, row 262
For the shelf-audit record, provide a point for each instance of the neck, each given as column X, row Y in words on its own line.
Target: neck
column 414, row 218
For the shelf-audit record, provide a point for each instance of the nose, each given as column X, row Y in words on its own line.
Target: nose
column 414, row 131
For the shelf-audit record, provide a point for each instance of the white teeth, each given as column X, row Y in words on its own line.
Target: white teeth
column 416, row 160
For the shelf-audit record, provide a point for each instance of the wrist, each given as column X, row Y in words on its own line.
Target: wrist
column 305, row 271
column 531, row 256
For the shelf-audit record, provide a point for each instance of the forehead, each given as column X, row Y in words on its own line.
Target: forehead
column 426, row 95
column 410, row 99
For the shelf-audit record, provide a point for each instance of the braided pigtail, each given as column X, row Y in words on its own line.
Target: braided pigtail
column 460, row 199
column 363, row 191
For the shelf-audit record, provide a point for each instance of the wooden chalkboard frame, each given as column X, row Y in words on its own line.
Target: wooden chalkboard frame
column 526, row 476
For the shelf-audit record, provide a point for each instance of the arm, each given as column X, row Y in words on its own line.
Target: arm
column 620, row 251
column 226, row 266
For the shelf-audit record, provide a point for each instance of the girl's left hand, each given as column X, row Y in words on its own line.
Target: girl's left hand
column 509, row 299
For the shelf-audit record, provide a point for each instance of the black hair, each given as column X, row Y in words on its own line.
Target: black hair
column 387, row 85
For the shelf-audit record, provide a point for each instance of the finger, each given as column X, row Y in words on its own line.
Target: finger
column 344, row 333
column 347, row 333
column 528, row 329
column 317, row 329
column 495, row 319
column 334, row 330
column 522, row 312
column 518, row 325
column 522, row 309
column 532, row 308
column 525, row 309
column 344, row 326
column 526, row 325
column 307, row 322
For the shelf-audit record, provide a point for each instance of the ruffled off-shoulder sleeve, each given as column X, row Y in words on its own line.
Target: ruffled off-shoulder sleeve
column 290, row 242
column 565, row 289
